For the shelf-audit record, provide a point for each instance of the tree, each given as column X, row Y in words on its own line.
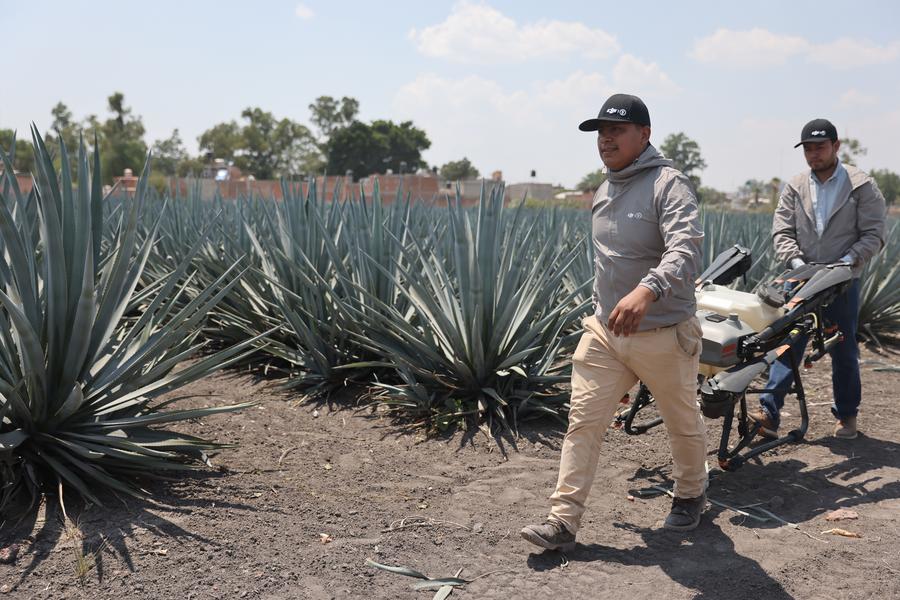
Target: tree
column 367, row 149
column 356, row 148
column 850, row 150
column 168, row 154
column 274, row 148
column 24, row 156
column 888, row 182
column 221, row 141
column 685, row 153
column 329, row 114
column 774, row 187
column 458, row 170
column 753, row 188
column 263, row 146
column 711, row 196
column 592, row 181
column 190, row 167
column 405, row 145
column 122, row 139
column 63, row 126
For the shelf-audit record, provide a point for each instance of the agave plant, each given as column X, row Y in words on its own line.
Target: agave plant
column 721, row 230
column 484, row 333
column 78, row 381
column 246, row 311
column 879, row 311
column 295, row 249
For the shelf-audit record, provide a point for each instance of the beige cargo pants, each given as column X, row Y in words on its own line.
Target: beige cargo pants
column 604, row 368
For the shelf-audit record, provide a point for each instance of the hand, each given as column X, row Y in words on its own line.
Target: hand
column 630, row 311
column 797, row 262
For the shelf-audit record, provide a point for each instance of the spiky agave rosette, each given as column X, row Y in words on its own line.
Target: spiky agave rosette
column 77, row 380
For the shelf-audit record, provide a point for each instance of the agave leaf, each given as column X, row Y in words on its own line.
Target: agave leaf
column 11, row 439
column 397, row 570
column 433, row 584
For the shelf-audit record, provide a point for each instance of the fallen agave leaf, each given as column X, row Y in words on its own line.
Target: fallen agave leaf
column 841, row 514
column 842, row 532
column 443, row 592
column 433, row 584
column 398, row 570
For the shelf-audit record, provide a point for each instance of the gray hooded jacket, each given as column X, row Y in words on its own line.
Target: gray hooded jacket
column 646, row 230
column 855, row 227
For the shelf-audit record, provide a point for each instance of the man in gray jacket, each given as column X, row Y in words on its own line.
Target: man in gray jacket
column 829, row 213
column 647, row 253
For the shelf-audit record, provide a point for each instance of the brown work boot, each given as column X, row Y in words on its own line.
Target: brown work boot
column 845, row 428
column 685, row 514
column 551, row 535
column 767, row 428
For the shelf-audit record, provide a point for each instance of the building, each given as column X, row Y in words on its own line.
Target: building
column 127, row 183
column 517, row 192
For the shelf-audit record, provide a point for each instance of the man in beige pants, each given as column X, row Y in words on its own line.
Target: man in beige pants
column 647, row 253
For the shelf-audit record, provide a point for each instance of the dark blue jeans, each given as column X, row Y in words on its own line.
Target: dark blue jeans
column 843, row 312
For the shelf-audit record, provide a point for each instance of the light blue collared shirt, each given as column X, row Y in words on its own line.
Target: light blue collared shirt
column 826, row 194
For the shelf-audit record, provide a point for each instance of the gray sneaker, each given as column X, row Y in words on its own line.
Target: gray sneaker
column 552, row 535
column 685, row 513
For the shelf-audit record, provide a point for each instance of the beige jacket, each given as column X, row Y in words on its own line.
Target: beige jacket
column 646, row 230
column 856, row 226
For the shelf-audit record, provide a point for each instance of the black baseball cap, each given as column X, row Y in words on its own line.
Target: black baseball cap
column 624, row 108
column 817, row 130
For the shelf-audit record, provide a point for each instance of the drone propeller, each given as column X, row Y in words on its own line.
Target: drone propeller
column 821, row 281
column 738, row 378
column 727, row 266
column 800, row 274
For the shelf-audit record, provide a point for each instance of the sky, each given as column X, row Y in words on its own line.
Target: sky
column 503, row 83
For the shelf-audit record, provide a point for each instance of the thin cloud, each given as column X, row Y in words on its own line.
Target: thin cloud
column 847, row 53
column 853, row 98
column 304, row 12
column 532, row 125
column 631, row 73
column 753, row 48
column 477, row 33
column 760, row 48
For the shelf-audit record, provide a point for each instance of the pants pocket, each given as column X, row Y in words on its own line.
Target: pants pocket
column 583, row 345
column 689, row 336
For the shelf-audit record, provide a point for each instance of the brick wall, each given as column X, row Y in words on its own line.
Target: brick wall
column 422, row 188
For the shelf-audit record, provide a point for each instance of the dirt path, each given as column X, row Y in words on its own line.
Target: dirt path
column 255, row 529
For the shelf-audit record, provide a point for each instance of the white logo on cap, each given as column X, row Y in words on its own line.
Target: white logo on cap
column 611, row 110
column 622, row 112
column 817, row 132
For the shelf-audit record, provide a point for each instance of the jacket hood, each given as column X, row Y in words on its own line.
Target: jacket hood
column 858, row 177
column 650, row 158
